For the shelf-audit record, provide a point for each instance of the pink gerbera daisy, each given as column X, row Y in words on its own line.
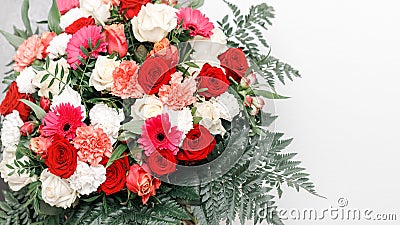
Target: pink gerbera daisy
column 196, row 22
column 81, row 39
column 63, row 120
column 158, row 134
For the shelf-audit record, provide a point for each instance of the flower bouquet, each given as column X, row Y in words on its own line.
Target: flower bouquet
column 143, row 112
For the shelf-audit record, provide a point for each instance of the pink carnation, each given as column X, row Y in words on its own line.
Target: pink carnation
column 125, row 81
column 28, row 52
column 178, row 94
column 196, row 22
column 65, row 5
column 81, row 38
column 92, row 144
column 158, row 134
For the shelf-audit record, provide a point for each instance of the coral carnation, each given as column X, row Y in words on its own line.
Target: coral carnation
column 81, row 39
column 158, row 134
column 63, row 120
column 196, row 22
column 178, row 94
column 125, row 81
column 30, row 50
column 93, row 144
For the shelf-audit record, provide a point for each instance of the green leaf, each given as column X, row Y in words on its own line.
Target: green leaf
column 54, row 18
column 14, row 40
column 192, row 64
column 190, row 3
column 134, row 126
column 269, row 95
column 25, row 17
column 116, row 154
column 40, row 113
column 91, row 199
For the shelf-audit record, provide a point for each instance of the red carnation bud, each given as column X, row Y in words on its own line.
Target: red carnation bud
column 248, row 101
column 45, row 104
column 27, row 128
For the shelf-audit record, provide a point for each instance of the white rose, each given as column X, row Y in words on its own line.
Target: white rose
column 87, row 179
column 15, row 181
column 57, row 47
column 210, row 117
column 71, row 16
column 24, row 81
column 57, row 191
column 99, row 11
column 227, row 106
column 102, row 75
column 58, row 83
column 154, row 22
column 108, row 119
column 182, row 119
column 147, row 107
column 208, row 50
column 10, row 133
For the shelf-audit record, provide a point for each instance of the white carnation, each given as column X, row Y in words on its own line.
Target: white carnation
column 10, row 131
column 102, row 75
column 99, row 11
column 24, row 81
column 214, row 126
column 57, row 47
column 154, row 22
column 58, row 83
column 146, row 107
column 211, row 117
column 70, row 96
column 71, row 16
column 15, row 181
column 87, row 179
column 108, row 119
column 182, row 119
column 227, row 105
column 57, row 191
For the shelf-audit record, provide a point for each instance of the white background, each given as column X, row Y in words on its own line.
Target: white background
column 344, row 113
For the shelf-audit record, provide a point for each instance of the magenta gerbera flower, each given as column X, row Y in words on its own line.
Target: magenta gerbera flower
column 196, row 22
column 158, row 134
column 81, row 38
column 63, row 120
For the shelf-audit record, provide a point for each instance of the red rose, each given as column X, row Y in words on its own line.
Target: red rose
column 213, row 81
column 45, row 104
column 235, row 63
column 162, row 162
column 115, row 175
column 12, row 102
column 115, row 36
column 198, row 144
column 132, row 7
column 78, row 24
column 142, row 183
column 61, row 158
column 154, row 73
column 27, row 128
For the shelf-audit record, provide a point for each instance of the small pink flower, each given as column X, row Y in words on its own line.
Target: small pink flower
column 196, row 22
column 93, row 144
column 65, row 5
column 125, row 81
column 81, row 38
column 40, row 144
column 178, row 94
column 158, row 134
column 28, row 52
column 63, row 120
column 113, row 2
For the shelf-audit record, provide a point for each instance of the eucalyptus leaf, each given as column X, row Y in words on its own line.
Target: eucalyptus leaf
column 54, row 18
column 25, row 17
column 14, row 40
column 40, row 113
column 269, row 95
column 116, row 154
column 134, row 126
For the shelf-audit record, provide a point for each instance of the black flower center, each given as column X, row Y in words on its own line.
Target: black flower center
column 160, row 137
column 66, row 127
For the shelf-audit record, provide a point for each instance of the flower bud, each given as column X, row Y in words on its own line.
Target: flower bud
column 248, row 101
column 27, row 128
column 45, row 104
column 258, row 102
column 254, row 110
column 170, row 2
column 246, row 82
